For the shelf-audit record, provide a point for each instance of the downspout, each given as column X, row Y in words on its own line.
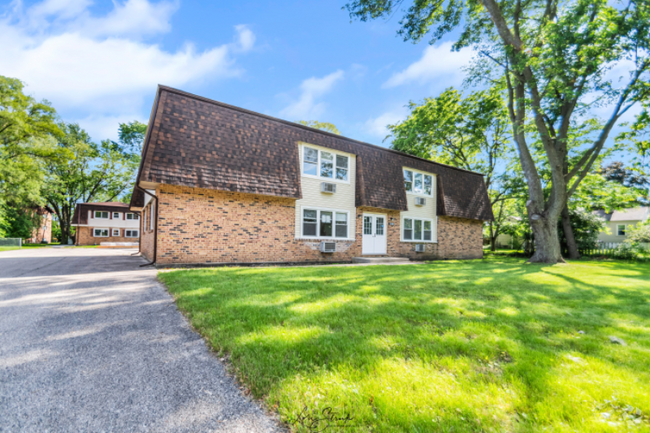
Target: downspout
column 155, row 228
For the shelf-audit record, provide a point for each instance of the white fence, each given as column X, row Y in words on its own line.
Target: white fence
column 607, row 248
column 11, row 242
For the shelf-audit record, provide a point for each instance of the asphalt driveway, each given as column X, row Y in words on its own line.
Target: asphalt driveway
column 89, row 341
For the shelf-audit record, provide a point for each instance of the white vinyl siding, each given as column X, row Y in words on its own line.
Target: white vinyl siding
column 110, row 223
column 613, row 227
column 343, row 200
column 426, row 212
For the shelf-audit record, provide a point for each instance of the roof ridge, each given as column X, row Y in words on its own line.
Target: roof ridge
column 299, row 125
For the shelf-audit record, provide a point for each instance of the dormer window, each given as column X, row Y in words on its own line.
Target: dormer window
column 325, row 164
column 418, row 183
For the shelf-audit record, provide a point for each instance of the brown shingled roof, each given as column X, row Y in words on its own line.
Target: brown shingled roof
column 198, row 142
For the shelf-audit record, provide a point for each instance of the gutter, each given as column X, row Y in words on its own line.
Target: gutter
column 155, row 228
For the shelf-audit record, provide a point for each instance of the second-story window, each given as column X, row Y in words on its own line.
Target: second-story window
column 328, row 165
column 101, row 214
column 418, row 183
column 116, row 215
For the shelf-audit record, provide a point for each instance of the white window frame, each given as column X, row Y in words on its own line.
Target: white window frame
column 434, row 238
column 618, row 228
column 116, row 215
column 134, row 216
column 113, row 233
column 318, row 211
column 318, row 165
column 423, row 173
column 126, row 233
column 101, row 212
column 95, row 235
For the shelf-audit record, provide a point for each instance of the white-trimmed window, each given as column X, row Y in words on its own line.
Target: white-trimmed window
column 116, row 215
column 620, row 229
column 418, row 183
column 325, row 223
column 417, row 230
column 100, row 233
column 102, row 214
column 131, row 216
column 131, row 234
column 325, row 164
column 116, row 232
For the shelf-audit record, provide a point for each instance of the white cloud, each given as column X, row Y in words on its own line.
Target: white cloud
column 245, row 37
column 435, row 62
column 306, row 107
column 101, row 67
column 376, row 126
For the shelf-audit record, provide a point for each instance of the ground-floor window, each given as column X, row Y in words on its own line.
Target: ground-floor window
column 324, row 223
column 116, row 232
column 620, row 229
column 131, row 233
column 417, row 229
column 100, row 233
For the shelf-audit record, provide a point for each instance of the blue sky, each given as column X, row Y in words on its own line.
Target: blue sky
column 99, row 62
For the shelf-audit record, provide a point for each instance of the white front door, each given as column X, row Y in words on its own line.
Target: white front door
column 374, row 234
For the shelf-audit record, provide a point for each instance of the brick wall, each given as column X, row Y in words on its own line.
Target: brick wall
column 84, row 237
column 39, row 233
column 206, row 226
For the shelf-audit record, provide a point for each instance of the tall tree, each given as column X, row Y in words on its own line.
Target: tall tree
column 555, row 57
column 26, row 131
column 95, row 173
column 470, row 133
column 132, row 136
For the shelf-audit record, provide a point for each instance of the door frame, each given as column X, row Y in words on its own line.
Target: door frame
column 374, row 229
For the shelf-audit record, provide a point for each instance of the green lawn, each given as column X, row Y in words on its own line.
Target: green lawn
column 476, row 346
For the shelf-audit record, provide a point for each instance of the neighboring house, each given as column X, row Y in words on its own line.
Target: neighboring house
column 505, row 240
column 235, row 186
column 105, row 222
column 620, row 221
column 44, row 231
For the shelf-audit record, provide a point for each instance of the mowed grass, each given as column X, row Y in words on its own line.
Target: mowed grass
column 474, row 346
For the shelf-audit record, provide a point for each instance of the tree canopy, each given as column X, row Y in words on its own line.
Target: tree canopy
column 557, row 58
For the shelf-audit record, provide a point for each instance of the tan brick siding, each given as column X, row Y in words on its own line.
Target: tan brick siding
column 84, row 237
column 39, row 233
column 201, row 226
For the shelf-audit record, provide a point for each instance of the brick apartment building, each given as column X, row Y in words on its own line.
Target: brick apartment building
column 105, row 222
column 44, row 231
column 220, row 184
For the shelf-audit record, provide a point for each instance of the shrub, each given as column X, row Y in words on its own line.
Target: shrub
column 586, row 226
column 629, row 250
column 640, row 233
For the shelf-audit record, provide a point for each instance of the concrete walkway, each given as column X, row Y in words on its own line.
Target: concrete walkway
column 89, row 341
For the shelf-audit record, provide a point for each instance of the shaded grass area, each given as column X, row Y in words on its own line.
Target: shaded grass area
column 490, row 345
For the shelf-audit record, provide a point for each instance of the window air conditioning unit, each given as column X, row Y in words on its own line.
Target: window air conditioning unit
column 420, row 201
column 329, row 188
column 419, row 248
column 327, row 247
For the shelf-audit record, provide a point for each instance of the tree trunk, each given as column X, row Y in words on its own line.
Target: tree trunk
column 571, row 244
column 547, row 243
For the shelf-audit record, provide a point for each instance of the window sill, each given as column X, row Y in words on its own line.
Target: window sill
column 325, row 179
column 419, row 194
